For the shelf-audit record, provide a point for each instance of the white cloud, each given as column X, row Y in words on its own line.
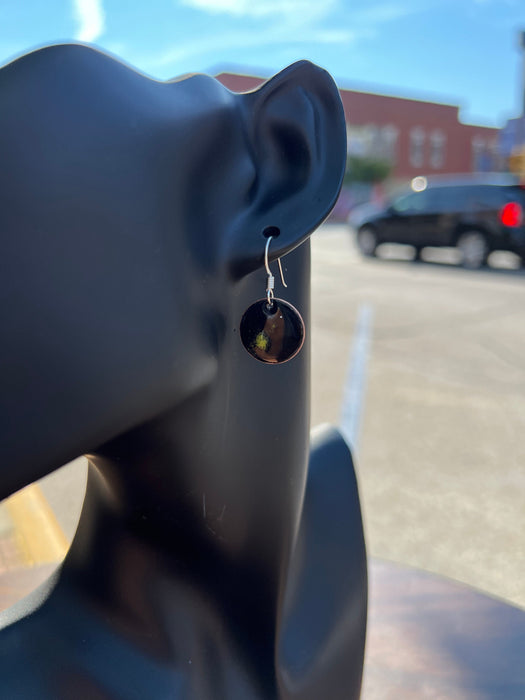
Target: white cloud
column 249, row 39
column 332, row 36
column 262, row 8
column 290, row 23
column 509, row 3
column 293, row 14
column 91, row 19
column 383, row 12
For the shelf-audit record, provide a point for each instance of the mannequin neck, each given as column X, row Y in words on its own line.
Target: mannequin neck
column 169, row 530
column 196, row 512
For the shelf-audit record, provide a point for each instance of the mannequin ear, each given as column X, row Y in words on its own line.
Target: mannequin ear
column 296, row 133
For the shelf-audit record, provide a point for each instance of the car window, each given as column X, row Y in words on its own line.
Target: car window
column 451, row 198
column 438, row 199
column 410, row 203
column 489, row 197
column 458, row 198
column 496, row 197
column 515, row 194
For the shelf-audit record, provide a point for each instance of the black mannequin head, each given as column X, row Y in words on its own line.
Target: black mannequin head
column 134, row 216
column 131, row 212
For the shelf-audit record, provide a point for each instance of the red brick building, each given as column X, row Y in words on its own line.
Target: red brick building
column 415, row 136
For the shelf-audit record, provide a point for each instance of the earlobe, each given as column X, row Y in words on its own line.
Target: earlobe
column 296, row 132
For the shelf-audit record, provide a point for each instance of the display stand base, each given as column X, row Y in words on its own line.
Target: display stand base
column 433, row 638
column 428, row 638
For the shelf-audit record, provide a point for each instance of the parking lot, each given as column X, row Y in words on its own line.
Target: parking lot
column 440, row 406
column 424, row 364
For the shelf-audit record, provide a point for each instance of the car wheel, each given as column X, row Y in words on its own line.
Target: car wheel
column 473, row 248
column 367, row 241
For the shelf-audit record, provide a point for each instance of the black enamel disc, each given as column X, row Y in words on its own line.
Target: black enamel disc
column 272, row 334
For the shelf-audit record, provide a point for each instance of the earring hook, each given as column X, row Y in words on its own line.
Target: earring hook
column 271, row 279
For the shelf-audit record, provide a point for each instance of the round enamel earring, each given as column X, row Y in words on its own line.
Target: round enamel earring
column 272, row 330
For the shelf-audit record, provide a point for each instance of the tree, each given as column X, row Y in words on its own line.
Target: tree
column 363, row 169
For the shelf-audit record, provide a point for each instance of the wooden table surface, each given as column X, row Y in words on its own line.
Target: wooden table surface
column 432, row 638
column 429, row 638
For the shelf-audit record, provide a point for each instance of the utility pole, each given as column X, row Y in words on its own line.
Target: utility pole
column 522, row 115
column 517, row 158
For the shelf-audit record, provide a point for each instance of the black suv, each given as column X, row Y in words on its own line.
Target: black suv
column 476, row 214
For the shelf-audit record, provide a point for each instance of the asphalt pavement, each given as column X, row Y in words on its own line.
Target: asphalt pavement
column 423, row 365
column 441, row 384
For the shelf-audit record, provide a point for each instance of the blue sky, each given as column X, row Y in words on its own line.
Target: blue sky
column 464, row 52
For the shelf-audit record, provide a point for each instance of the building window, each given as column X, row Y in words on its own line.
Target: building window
column 389, row 136
column 372, row 141
column 359, row 140
column 438, row 142
column 417, row 147
column 478, row 154
column 494, row 155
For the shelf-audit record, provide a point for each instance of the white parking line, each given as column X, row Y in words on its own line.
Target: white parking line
column 355, row 385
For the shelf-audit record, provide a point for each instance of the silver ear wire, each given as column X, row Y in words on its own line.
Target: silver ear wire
column 270, row 285
column 281, row 271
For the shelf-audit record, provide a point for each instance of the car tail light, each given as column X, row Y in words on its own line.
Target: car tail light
column 511, row 214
